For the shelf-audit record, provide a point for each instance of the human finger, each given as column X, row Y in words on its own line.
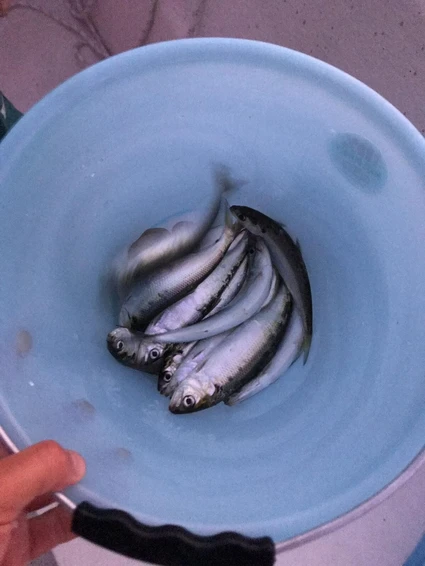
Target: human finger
column 49, row 530
column 4, row 450
column 40, row 469
column 40, row 502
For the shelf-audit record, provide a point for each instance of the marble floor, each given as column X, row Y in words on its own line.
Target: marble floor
column 43, row 42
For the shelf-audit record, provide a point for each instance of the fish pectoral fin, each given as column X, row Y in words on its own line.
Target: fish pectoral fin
column 305, row 349
column 213, row 389
column 297, row 243
column 250, row 389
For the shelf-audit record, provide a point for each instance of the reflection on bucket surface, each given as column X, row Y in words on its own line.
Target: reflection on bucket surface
column 359, row 161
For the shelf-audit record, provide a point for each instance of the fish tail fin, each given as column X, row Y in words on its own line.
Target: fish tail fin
column 305, row 348
column 224, row 180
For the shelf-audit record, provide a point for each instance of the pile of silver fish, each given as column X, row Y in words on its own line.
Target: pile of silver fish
column 217, row 304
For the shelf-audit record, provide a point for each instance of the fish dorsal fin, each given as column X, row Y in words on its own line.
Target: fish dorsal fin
column 148, row 237
column 179, row 225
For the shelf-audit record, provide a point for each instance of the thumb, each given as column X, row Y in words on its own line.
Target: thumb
column 42, row 468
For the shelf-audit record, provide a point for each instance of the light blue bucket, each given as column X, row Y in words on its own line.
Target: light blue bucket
column 128, row 142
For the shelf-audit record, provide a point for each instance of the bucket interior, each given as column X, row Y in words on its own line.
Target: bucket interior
column 131, row 141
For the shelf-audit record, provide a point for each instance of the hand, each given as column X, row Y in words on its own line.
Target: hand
column 27, row 481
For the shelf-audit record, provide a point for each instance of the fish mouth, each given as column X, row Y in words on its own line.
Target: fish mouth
column 120, row 355
column 111, row 343
column 177, row 409
column 164, row 389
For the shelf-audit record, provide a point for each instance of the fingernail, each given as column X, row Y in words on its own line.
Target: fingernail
column 78, row 464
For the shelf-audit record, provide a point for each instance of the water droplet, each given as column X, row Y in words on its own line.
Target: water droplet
column 83, row 409
column 24, row 343
column 123, row 454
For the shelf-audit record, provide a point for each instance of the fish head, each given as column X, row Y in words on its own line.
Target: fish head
column 134, row 349
column 150, row 351
column 170, row 381
column 165, row 378
column 122, row 344
column 192, row 395
column 254, row 221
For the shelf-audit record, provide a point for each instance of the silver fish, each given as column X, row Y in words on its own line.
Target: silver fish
column 168, row 381
column 248, row 302
column 248, row 349
column 178, row 236
column 205, row 296
column 128, row 348
column 173, row 363
column 274, row 286
column 170, row 283
column 232, row 288
column 211, row 237
column 286, row 354
column 287, row 258
column 216, row 230
column 140, row 350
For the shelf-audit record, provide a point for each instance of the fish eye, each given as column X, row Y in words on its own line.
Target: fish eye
column 120, row 345
column 242, row 217
column 189, row 401
column 263, row 230
column 167, row 376
column 154, row 354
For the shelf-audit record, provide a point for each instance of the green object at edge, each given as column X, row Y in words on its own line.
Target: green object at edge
column 9, row 115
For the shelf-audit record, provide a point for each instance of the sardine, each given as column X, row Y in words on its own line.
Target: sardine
column 211, row 237
column 170, row 283
column 232, row 288
column 286, row 354
column 247, row 350
column 216, row 229
column 247, row 303
column 173, row 362
column 129, row 348
column 177, row 236
column 287, row 258
column 274, row 286
column 138, row 349
column 168, row 381
column 197, row 304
